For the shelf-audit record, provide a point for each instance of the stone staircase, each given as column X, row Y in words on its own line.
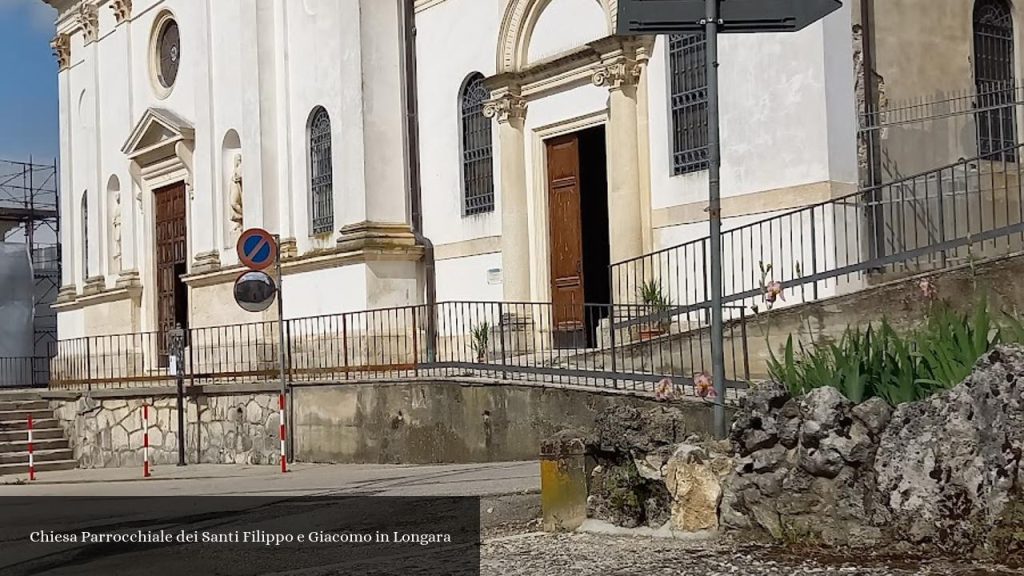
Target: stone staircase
column 49, row 444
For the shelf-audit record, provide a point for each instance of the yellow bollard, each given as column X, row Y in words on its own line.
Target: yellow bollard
column 563, row 484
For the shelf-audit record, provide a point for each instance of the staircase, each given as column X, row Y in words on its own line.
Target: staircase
column 49, row 445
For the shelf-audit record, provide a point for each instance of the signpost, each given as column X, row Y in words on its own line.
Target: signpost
column 176, row 359
column 712, row 17
column 255, row 291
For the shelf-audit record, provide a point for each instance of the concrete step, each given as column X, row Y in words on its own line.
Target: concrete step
column 12, row 415
column 19, row 394
column 40, row 456
column 15, row 405
column 22, row 468
column 21, row 445
column 37, row 434
column 41, row 424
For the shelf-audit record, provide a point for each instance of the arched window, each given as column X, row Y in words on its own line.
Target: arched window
column 993, row 79
column 321, row 172
column 687, row 54
column 85, row 235
column 477, row 152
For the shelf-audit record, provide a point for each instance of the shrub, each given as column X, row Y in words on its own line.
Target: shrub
column 878, row 361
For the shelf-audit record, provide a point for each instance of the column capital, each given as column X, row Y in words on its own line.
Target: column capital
column 122, row 10
column 61, row 45
column 618, row 73
column 506, row 108
column 89, row 19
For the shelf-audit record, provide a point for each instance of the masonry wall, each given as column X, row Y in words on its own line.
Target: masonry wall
column 410, row 422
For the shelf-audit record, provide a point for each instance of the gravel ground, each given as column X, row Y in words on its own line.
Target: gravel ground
column 578, row 554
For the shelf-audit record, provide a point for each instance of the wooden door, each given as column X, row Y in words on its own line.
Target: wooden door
column 171, row 258
column 566, row 233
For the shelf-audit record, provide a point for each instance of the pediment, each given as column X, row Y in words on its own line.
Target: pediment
column 158, row 128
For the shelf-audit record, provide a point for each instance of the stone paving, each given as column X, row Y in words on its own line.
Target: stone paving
column 605, row 555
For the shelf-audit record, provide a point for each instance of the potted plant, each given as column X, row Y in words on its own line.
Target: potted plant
column 481, row 337
column 655, row 302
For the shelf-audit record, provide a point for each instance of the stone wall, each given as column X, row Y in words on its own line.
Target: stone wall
column 405, row 422
column 106, row 431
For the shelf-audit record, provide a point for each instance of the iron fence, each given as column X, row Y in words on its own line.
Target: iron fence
column 938, row 218
column 597, row 346
column 24, row 372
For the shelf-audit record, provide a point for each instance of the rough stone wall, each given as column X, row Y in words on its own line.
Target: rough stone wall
column 231, row 429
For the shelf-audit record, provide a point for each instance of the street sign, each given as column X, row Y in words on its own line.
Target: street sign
column 736, row 16
column 255, row 291
column 257, row 249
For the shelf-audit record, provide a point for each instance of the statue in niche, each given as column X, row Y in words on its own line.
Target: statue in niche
column 236, row 196
column 116, row 230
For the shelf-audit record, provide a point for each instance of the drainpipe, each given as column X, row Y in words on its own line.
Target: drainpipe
column 414, row 182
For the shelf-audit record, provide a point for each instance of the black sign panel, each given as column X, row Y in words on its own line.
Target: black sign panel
column 737, row 16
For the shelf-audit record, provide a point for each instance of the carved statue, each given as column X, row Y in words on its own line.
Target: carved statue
column 236, row 196
column 116, row 225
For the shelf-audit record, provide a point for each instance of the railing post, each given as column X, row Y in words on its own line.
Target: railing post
column 814, row 261
column 501, row 332
column 746, row 350
column 942, row 218
column 344, row 344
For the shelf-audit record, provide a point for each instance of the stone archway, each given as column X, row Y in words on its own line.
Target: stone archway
column 517, row 28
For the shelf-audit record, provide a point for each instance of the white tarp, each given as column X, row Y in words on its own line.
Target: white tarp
column 17, row 308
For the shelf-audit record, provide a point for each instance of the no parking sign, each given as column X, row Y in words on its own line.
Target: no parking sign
column 257, row 249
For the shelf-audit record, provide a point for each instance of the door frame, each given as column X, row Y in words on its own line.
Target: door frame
column 540, row 229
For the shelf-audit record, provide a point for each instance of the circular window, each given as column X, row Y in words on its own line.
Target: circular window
column 168, row 53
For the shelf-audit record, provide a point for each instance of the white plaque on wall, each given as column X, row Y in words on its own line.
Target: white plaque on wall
column 494, row 276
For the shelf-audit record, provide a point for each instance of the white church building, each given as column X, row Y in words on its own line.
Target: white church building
column 549, row 148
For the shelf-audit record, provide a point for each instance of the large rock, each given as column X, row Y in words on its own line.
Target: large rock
column 630, row 430
column 693, row 478
column 949, row 468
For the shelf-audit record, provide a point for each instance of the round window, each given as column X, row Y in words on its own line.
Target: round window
column 168, row 47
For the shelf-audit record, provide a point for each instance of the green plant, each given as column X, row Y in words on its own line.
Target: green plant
column 656, row 300
column 481, row 338
column 878, row 361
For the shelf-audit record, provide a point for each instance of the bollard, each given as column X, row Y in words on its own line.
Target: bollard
column 31, row 454
column 563, row 483
column 284, row 455
column 145, row 441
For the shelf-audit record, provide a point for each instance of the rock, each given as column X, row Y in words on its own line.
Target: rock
column 857, row 449
column 254, row 413
column 947, row 467
column 694, row 482
column 768, row 460
column 874, row 413
column 826, row 406
column 754, row 440
column 614, row 495
column 823, row 462
column 630, row 430
column 811, row 434
column 789, row 432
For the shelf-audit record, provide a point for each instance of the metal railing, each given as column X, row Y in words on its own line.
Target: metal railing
column 972, row 208
column 24, row 372
column 536, row 342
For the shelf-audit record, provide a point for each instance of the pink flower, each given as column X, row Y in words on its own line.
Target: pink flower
column 773, row 292
column 928, row 290
column 664, row 390
column 703, row 386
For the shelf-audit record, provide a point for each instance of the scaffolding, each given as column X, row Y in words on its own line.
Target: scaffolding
column 30, row 215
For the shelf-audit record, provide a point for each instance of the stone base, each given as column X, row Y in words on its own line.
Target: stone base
column 206, row 262
column 94, row 285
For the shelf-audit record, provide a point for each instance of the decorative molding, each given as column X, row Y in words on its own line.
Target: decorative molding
column 468, row 248
column 89, row 20
column 375, row 235
column 66, row 294
column 422, row 5
column 289, row 249
column 618, row 73
column 101, row 297
column 122, row 11
column 206, row 262
column 128, row 279
column 61, row 45
column 518, row 24
column 506, row 107
column 94, row 285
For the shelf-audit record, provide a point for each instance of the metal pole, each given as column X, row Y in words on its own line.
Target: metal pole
column 180, row 377
column 715, row 217
column 282, row 340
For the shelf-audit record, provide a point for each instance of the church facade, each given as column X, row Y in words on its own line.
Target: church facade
column 549, row 148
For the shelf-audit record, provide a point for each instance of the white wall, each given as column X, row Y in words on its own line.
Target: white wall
column 567, row 24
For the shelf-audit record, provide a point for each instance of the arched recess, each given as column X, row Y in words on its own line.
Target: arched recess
column 230, row 154
column 517, row 27
column 114, row 209
column 994, row 65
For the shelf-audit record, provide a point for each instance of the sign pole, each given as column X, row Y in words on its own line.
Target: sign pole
column 281, row 357
column 715, row 217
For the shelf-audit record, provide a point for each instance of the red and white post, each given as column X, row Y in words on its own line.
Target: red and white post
column 31, row 455
column 284, row 456
column 145, row 441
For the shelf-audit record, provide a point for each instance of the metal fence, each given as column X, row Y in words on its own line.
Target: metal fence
column 24, row 372
column 622, row 347
column 927, row 221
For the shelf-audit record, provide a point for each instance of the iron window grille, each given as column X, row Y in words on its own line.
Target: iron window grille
column 687, row 54
column 477, row 151
column 321, row 172
column 993, row 78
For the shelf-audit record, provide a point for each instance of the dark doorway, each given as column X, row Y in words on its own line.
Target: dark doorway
column 171, row 260
column 578, row 212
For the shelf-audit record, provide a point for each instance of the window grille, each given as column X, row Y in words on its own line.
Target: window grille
column 321, row 172
column 477, row 153
column 687, row 54
column 993, row 78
